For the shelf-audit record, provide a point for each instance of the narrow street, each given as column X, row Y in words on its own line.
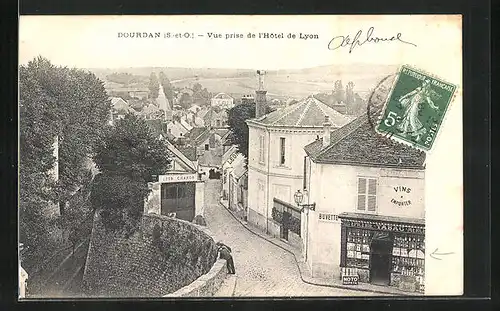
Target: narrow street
column 262, row 269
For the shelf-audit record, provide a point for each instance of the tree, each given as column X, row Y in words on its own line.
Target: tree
column 127, row 158
column 130, row 149
column 239, row 129
column 154, row 86
column 167, row 87
column 85, row 109
column 338, row 92
column 72, row 105
column 185, row 100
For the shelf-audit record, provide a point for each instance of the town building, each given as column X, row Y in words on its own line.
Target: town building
column 368, row 217
column 276, row 153
column 177, row 128
column 209, row 148
column 222, row 100
column 237, row 180
column 163, row 104
column 180, row 191
column 247, row 99
column 119, row 108
column 194, row 108
column 229, row 159
column 214, row 117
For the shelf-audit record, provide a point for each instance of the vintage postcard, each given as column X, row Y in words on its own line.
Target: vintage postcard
column 240, row 156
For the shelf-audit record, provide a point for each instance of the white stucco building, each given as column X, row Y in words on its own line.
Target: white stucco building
column 276, row 152
column 369, row 212
column 222, row 100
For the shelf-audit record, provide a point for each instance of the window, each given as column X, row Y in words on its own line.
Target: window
column 358, row 248
column 367, row 194
column 206, row 147
column 282, row 150
column 261, row 148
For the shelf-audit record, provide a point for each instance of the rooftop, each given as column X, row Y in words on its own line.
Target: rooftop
column 309, row 112
column 358, row 143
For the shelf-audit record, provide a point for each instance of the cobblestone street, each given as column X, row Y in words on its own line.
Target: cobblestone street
column 262, row 269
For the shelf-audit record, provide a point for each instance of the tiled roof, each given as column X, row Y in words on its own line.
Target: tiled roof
column 222, row 96
column 309, row 112
column 210, row 158
column 188, row 151
column 197, row 135
column 357, row 143
column 221, row 132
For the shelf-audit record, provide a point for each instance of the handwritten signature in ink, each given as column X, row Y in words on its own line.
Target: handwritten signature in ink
column 346, row 41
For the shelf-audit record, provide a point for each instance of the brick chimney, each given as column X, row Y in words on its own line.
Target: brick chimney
column 260, row 103
column 260, row 96
column 327, row 125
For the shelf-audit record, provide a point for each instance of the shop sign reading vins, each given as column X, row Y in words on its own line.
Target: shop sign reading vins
column 177, row 178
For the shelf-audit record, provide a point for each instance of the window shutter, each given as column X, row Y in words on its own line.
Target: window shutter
column 372, row 186
column 361, row 202
column 372, row 195
column 372, row 203
column 361, row 185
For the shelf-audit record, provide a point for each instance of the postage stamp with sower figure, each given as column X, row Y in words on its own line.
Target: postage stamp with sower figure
column 415, row 108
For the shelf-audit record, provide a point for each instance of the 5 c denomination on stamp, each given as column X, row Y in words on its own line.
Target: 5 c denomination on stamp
column 415, row 108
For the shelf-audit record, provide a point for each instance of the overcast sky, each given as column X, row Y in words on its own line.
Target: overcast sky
column 93, row 42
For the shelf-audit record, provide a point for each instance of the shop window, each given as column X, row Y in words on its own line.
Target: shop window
column 358, row 248
column 367, row 194
column 408, row 255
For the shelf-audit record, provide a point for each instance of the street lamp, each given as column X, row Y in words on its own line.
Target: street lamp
column 298, row 197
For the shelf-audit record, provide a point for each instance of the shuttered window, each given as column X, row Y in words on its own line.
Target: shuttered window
column 261, row 149
column 367, row 194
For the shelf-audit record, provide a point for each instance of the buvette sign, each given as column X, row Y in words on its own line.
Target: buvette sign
column 177, row 178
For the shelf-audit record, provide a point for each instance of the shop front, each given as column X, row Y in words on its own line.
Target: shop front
column 178, row 195
column 383, row 250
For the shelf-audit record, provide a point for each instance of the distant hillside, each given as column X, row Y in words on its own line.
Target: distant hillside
column 287, row 83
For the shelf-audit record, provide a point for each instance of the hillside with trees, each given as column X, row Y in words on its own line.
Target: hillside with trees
column 56, row 104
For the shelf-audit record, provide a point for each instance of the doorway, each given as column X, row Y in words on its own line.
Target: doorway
column 178, row 199
column 285, row 225
column 380, row 260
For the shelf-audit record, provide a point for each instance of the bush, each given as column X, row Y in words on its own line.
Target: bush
column 120, row 199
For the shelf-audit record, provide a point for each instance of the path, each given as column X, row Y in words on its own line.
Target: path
column 262, row 269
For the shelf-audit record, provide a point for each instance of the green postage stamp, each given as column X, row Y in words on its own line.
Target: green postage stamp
column 415, row 108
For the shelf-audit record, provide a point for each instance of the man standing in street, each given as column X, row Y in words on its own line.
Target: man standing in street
column 225, row 253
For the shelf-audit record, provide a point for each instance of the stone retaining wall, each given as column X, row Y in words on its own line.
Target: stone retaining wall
column 143, row 265
column 206, row 285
